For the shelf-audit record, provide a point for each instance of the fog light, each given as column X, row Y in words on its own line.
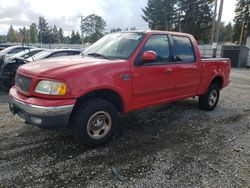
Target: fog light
column 36, row 120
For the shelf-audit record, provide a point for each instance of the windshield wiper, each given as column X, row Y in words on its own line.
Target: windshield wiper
column 98, row 55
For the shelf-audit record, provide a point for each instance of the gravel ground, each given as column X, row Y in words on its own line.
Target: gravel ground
column 173, row 145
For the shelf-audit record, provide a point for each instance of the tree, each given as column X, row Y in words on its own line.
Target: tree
column 33, row 33
column 196, row 18
column 226, row 32
column 242, row 21
column 24, row 35
column 92, row 27
column 113, row 30
column 160, row 14
column 193, row 17
column 78, row 38
column 44, row 31
column 75, row 38
column 133, row 28
column 61, row 35
column 12, row 35
column 3, row 38
column 55, row 38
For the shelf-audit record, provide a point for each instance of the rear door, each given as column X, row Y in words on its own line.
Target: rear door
column 187, row 69
column 153, row 82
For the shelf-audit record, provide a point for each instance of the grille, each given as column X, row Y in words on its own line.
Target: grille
column 23, row 82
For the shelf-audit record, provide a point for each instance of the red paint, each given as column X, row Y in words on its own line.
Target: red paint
column 149, row 56
column 147, row 86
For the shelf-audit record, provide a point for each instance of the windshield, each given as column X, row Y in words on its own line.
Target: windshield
column 6, row 50
column 38, row 56
column 20, row 54
column 115, row 46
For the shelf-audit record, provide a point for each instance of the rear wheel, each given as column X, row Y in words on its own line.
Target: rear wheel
column 94, row 122
column 210, row 100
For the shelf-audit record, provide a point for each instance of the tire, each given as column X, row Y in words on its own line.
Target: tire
column 210, row 100
column 94, row 122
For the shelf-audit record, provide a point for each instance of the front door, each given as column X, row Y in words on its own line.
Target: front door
column 153, row 82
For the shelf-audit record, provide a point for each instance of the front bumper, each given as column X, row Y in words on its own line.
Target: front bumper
column 43, row 116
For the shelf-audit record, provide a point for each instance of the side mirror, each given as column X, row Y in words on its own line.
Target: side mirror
column 149, row 56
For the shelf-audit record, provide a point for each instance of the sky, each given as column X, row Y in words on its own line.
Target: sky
column 66, row 13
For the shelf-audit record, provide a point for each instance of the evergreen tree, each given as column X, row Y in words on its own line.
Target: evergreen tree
column 226, row 32
column 242, row 20
column 196, row 18
column 33, row 33
column 72, row 38
column 133, row 28
column 3, row 38
column 55, row 37
column 78, row 38
column 115, row 30
column 160, row 14
column 75, row 38
column 61, row 35
column 44, row 31
column 12, row 35
column 24, row 35
column 193, row 17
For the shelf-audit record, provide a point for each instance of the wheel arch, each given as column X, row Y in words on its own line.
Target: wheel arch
column 108, row 94
column 217, row 80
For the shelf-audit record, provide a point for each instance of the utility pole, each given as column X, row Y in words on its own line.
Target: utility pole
column 242, row 32
column 217, row 30
column 214, row 21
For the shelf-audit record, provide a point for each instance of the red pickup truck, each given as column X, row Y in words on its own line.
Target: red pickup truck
column 121, row 72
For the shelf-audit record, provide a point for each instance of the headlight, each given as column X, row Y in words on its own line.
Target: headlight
column 51, row 88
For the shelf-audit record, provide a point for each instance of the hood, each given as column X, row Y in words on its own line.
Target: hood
column 53, row 67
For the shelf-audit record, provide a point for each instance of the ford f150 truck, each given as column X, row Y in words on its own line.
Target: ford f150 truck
column 121, row 72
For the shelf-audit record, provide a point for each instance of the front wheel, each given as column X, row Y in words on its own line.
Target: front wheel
column 94, row 122
column 210, row 100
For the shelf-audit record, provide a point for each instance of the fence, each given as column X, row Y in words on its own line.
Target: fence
column 51, row 46
column 207, row 50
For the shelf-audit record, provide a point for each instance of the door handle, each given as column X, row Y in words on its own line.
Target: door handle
column 194, row 68
column 168, row 71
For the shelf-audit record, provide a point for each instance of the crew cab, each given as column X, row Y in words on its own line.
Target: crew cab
column 121, row 72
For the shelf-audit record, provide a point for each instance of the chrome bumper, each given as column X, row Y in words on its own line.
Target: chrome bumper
column 41, row 110
column 47, row 117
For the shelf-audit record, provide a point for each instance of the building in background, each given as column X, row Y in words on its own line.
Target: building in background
column 248, row 45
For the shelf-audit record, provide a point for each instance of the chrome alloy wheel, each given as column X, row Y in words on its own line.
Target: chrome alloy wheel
column 99, row 125
column 213, row 97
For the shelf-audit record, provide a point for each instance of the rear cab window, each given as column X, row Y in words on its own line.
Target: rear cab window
column 183, row 49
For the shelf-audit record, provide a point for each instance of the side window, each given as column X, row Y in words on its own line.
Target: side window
column 184, row 50
column 160, row 45
column 74, row 53
column 58, row 54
